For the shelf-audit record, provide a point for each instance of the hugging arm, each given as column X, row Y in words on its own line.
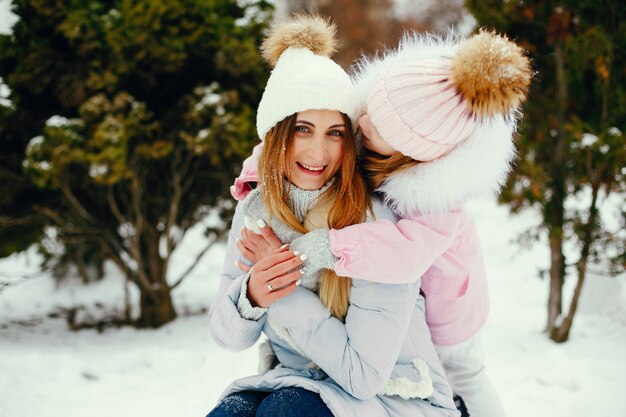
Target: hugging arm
column 381, row 251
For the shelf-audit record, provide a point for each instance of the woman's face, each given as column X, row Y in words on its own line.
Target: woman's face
column 372, row 139
column 317, row 148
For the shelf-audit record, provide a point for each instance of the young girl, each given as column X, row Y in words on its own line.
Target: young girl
column 440, row 118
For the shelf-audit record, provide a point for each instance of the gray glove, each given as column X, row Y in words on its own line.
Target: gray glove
column 255, row 209
column 316, row 246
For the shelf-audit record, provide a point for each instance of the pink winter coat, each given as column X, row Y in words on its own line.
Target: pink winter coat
column 249, row 176
column 443, row 249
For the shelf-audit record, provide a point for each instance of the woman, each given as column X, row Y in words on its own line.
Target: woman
column 344, row 348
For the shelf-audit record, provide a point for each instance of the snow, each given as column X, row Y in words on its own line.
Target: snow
column 7, row 18
column 58, row 121
column 98, row 170
column 588, row 139
column 209, row 96
column 46, row 369
column 5, row 92
column 41, row 165
column 34, row 144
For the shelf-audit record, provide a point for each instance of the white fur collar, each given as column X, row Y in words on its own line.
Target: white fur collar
column 480, row 165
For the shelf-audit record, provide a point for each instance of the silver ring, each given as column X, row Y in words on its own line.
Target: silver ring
column 269, row 287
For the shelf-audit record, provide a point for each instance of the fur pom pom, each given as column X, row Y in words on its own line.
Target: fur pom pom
column 492, row 74
column 304, row 31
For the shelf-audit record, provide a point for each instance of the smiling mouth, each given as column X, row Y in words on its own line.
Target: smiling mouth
column 311, row 169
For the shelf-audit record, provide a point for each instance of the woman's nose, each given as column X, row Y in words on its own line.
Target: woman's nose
column 318, row 149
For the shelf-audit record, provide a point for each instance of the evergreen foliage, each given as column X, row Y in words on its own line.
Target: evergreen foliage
column 131, row 117
column 571, row 141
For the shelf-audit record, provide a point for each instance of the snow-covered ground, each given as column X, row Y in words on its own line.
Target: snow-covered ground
column 46, row 369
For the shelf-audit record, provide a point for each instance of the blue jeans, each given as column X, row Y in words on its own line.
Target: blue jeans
column 285, row 402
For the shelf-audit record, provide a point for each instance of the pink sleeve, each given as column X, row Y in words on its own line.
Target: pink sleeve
column 392, row 253
column 249, row 175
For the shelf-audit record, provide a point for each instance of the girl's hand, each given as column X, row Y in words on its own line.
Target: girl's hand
column 254, row 246
column 275, row 277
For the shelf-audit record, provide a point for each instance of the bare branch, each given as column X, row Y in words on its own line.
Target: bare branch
column 49, row 213
column 192, row 266
column 130, row 274
column 174, row 203
column 67, row 192
column 6, row 221
column 195, row 262
column 135, row 242
column 80, row 232
column 114, row 248
column 114, row 207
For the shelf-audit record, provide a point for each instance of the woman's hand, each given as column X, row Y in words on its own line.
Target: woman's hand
column 254, row 246
column 274, row 277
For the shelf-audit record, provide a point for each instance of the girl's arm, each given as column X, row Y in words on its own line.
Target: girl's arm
column 398, row 253
column 381, row 251
column 360, row 354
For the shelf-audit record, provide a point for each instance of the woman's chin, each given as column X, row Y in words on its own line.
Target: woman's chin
column 310, row 185
column 309, row 182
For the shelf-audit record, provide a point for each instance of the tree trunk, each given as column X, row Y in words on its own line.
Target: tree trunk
column 555, row 209
column 560, row 333
column 156, row 305
column 79, row 260
column 157, row 308
column 155, row 266
column 555, row 297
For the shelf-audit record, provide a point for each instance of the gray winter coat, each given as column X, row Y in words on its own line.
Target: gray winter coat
column 380, row 362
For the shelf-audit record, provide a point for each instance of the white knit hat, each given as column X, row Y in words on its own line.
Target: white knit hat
column 427, row 98
column 304, row 78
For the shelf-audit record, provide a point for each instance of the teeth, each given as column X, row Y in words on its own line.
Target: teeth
column 310, row 168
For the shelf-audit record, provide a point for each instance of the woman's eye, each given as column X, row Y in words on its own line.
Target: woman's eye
column 337, row 133
column 301, row 129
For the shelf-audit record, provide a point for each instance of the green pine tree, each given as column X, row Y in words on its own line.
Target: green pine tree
column 133, row 116
column 20, row 227
column 571, row 141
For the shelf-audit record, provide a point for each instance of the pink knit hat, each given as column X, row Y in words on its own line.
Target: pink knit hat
column 425, row 108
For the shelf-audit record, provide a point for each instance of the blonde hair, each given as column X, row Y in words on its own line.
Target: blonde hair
column 347, row 199
column 380, row 167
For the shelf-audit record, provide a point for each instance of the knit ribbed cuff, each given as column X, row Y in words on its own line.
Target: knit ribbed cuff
column 244, row 306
